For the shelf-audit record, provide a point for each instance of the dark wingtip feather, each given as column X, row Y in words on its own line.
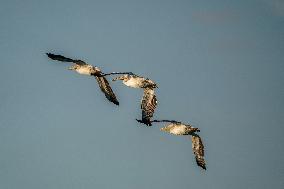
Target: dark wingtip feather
column 201, row 163
column 50, row 55
column 148, row 123
column 112, row 99
column 203, row 166
column 59, row 57
column 138, row 120
column 54, row 56
column 115, row 102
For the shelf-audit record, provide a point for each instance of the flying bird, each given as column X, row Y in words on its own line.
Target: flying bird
column 83, row 68
column 135, row 81
column 149, row 100
column 178, row 128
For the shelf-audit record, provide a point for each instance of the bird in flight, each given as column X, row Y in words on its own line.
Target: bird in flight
column 178, row 128
column 83, row 68
column 149, row 100
column 135, row 81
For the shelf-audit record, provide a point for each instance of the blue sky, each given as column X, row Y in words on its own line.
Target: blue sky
column 219, row 66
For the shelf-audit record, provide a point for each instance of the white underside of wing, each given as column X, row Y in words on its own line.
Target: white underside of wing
column 135, row 83
column 84, row 71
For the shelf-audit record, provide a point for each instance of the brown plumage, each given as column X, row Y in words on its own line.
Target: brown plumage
column 106, row 89
column 83, row 68
column 178, row 128
column 149, row 99
column 148, row 105
column 198, row 150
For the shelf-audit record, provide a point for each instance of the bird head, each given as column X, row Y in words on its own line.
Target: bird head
column 166, row 129
column 73, row 67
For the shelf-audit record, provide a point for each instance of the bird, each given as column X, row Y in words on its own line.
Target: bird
column 149, row 100
column 83, row 68
column 178, row 128
column 135, row 81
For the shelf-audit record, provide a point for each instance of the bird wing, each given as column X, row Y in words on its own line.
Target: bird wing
column 106, row 89
column 148, row 105
column 65, row 59
column 198, row 150
column 166, row 121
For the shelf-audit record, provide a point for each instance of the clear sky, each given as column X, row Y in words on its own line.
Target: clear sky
column 219, row 66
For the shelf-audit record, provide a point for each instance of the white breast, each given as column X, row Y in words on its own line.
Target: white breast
column 178, row 130
column 84, row 70
column 133, row 82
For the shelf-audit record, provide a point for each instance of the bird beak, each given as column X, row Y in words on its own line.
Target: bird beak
column 70, row 68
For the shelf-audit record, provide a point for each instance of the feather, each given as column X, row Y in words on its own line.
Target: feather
column 106, row 89
column 198, row 150
column 148, row 105
column 64, row 59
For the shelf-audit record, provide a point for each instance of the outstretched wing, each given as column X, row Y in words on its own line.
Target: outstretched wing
column 148, row 105
column 166, row 121
column 106, row 89
column 64, row 59
column 198, row 150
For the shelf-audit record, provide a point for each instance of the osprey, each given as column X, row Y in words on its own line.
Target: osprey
column 149, row 100
column 83, row 68
column 178, row 128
